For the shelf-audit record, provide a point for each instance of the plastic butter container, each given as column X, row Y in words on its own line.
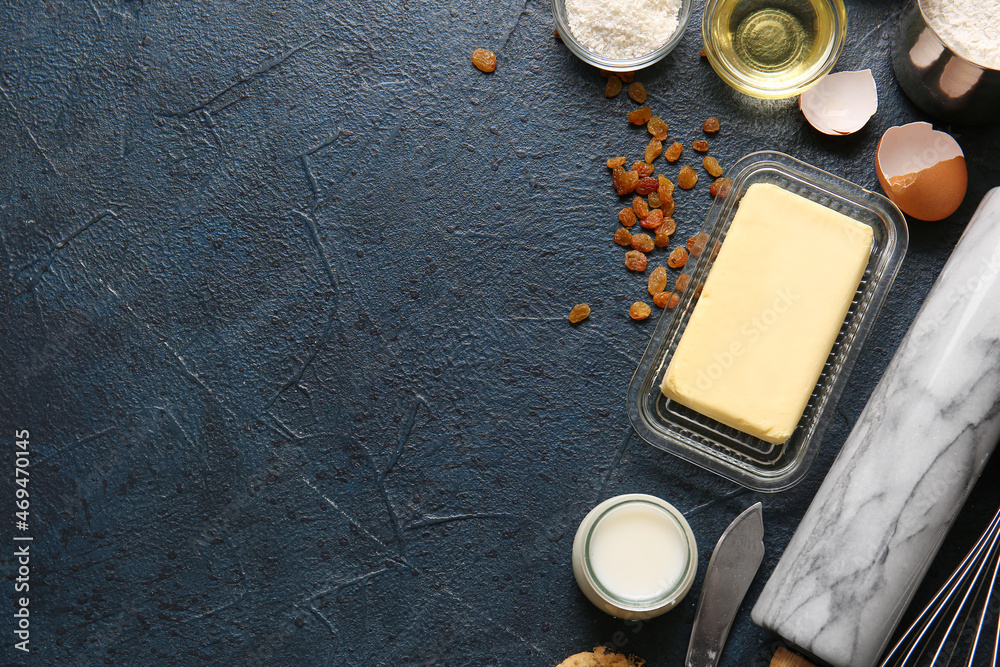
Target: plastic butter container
column 703, row 441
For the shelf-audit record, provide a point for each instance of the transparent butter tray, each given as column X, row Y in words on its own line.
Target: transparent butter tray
column 705, row 442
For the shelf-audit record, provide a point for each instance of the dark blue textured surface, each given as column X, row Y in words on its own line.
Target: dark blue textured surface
column 284, row 310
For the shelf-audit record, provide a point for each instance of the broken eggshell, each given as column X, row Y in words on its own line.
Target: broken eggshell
column 840, row 103
column 922, row 170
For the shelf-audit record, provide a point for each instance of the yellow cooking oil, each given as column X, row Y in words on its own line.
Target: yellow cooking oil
column 773, row 44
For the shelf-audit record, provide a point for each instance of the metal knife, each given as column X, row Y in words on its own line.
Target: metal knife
column 730, row 570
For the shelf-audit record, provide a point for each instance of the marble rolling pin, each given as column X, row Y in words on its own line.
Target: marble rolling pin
column 928, row 429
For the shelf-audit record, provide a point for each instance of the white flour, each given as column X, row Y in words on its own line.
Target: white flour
column 970, row 27
column 622, row 28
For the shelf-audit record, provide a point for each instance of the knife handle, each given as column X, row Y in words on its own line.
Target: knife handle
column 785, row 658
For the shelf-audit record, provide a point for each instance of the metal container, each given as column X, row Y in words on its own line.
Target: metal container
column 938, row 80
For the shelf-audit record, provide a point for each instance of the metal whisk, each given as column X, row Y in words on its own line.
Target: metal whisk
column 961, row 625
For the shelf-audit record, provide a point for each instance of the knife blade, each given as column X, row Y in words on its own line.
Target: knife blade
column 731, row 568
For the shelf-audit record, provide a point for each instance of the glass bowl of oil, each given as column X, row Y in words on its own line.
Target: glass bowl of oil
column 773, row 49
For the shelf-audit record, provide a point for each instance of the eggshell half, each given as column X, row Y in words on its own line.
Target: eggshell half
column 841, row 103
column 922, row 170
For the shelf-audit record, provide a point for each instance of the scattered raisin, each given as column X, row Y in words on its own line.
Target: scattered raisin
column 700, row 145
column 657, row 281
column 696, row 244
column 644, row 169
column 697, row 290
column 626, row 77
column 653, row 149
column 615, row 162
column 720, row 187
column 580, row 312
column 640, row 116
column 678, row 258
column 654, row 219
column 642, row 242
column 687, row 177
column 711, row 125
column 712, row 166
column 665, row 183
column 654, row 199
column 624, row 181
column 673, row 153
column 657, row 128
column 662, row 238
column 637, row 92
column 675, row 298
column 640, row 207
column 613, row 86
column 604, row 73
column 682, row 283
column 639, row 311
column 646, row 185
column 703, row 53
column 623, row 237
column 662, row 299
column 484, row 60
column 669, row 225
column 635, row 261
column 626, row 216
column 555, row 33
column 667, row 206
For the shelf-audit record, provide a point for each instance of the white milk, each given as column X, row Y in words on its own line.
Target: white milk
column 637, row 552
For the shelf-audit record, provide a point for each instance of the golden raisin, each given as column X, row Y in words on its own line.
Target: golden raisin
column 673, row 153
column 626, row 77
column 646, row 185
column 640, row 116
column 637, row 92
column 662, row 238
column 712, row 166
column 555, row 33
column 644, row 169
column 653, row 199
column 675, row 298
column 640, row 207
column 484, row 60
column 613, row 86
column 635, row 261
column 711, row 125
column 639, row 311
column 665, row 183
column 700, row 145
column 667, row 206
column 720, row 187
column 615, row 162
column 657, row 281
column 661, row 299
column 703, row 53
column 604, row 73
column 657, row 128
column 687, row 177
column 580, row 312
column 654, row 219
column 623, row 237
column 682, row 283
column 678, row 258
column 696, row 244
column 669, row 226
column 626, row 216
column 624, row 181
column 697, row 290
column 653, row 150
column 642, row 242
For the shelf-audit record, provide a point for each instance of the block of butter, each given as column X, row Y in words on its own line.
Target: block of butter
column 769, row 314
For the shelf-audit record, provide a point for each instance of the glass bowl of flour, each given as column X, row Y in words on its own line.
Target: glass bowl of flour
column 947, row 59
column 621, row 35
